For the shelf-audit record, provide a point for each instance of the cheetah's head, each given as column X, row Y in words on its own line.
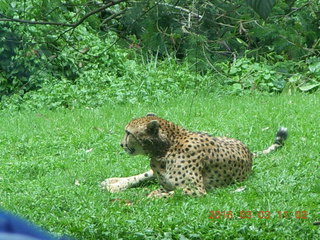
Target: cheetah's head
column 143, row 136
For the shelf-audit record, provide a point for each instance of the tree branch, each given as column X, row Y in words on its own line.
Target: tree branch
column 297, row 9
column 181, row 9
column 113, row 16
column 73, row 25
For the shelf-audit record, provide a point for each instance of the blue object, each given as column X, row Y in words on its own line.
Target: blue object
column 15, row 228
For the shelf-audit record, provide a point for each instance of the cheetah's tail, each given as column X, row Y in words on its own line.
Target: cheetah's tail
column 281, row 136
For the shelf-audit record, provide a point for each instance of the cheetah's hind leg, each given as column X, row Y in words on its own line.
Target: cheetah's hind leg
column 160, row 193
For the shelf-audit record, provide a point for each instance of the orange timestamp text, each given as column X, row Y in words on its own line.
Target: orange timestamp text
column 258, row 214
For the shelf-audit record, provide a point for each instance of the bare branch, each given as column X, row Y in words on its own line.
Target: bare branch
column 73, row 25
column 182, row 9
column 113, row 16
column 35, row 22
column 298, row 9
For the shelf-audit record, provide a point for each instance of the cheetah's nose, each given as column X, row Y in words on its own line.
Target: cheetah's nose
column 121, row 145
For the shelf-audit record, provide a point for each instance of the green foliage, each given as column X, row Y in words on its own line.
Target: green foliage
column 132, row 83
column 130, row 79
column 31, row 53
column 152, row 50
column 246, row 74
column 271, row 75
column 17, row 62
column 262, row 7
column 201, row 30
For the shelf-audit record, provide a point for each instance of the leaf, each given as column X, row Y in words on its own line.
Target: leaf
column 315, row 67
column 4, row 6
column 13, row 4
column 308, row 87
column 240, row 189
column 237, row 86
column 262, row 7
column 77, row 182
column 242, row 42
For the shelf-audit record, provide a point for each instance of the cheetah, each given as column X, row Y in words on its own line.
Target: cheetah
column 180, row 159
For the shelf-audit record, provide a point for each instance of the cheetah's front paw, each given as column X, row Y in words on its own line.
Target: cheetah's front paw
column 115, row 184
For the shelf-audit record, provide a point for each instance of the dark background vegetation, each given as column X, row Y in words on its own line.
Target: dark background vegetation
column 58, row 53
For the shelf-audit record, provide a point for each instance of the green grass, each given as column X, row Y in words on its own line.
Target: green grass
column 43, row 154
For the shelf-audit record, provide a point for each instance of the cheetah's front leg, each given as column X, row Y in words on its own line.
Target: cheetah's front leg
column 122, row 183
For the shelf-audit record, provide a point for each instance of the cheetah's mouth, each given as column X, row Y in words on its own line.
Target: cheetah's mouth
column 130, row 150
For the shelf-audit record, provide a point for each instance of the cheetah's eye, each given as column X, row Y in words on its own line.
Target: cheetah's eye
column 127, row 132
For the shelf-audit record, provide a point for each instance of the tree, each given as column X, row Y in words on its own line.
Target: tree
column 56, row 37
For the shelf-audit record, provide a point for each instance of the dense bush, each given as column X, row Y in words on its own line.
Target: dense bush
column 31, row 53
column 272, row 75
column 220, row 30
column 152, row 50
column 129, row 81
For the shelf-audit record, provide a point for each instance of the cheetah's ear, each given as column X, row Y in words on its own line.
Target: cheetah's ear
column 150, row 114
column 153, row 127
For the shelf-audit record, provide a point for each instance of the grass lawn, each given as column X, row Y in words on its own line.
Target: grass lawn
column 53, row 161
